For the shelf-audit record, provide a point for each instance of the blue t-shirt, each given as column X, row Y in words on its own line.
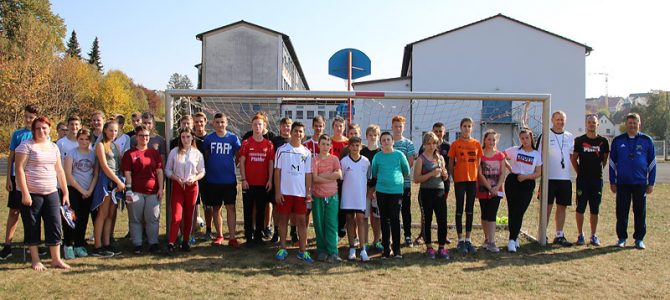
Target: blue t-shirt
column 19, row 136
column 220, row 158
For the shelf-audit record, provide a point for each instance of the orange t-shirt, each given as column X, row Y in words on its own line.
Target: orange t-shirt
column 466, row 154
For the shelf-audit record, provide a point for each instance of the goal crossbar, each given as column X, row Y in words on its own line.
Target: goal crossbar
column 543, row 98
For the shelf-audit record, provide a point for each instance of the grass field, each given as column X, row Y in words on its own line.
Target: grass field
column 534, row 272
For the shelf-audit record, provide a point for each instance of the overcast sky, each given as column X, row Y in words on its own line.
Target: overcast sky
column 150, row 40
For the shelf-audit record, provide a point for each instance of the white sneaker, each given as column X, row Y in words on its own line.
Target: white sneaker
column 516, row 243
column 352, row 253
column 364, row 255
column 511, row 246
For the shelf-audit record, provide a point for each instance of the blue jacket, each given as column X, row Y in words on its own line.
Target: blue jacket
column 632, row 160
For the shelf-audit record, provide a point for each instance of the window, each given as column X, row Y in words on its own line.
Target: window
column 607, row 131
column 310, row 114
column 299, row 115
column 322, row 113
column 332, row 114
column 288, row 114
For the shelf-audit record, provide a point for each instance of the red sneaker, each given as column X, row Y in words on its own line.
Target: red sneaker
column 218, row 241
column 233, row 243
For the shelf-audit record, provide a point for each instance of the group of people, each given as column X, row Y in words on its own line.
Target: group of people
column 341, row 182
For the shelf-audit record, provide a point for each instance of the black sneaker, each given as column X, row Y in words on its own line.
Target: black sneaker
column 275, row 237
column 114, row 248
column 137, row 250
column 185, row 247
column 155, row 249
column 6, row 252
column 470, row 248
column 408, row 241
column 562, row 241
column 102, row 252
column 170, row 250
column 267, row 232
column 42, row 251
column 461, row 248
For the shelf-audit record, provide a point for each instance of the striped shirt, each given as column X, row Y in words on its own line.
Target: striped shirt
column 405, row 146
column 40, row 167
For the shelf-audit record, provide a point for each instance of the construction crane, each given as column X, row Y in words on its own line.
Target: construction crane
column 607, row 100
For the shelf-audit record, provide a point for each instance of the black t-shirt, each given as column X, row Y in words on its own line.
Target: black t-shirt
column 269, row 135
column 130, row 133
column 278, row 141
column 370, row 154
column 444, row 151
column 591, row 154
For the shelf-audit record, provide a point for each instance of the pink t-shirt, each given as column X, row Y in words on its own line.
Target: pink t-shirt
column 325, row 165
column 492, row 171
column 40, row 168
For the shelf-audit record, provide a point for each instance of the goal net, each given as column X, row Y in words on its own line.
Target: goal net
column 504, row 113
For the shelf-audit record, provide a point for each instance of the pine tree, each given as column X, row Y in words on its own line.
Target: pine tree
column 73, row 49
column 94, row 55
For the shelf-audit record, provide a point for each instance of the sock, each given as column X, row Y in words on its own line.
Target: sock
column 559, row 233
column 468, row 240
column 208, row 229
column 293, row 230
column 461, row 240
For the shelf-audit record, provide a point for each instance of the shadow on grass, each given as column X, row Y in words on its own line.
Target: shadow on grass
column 256, row 260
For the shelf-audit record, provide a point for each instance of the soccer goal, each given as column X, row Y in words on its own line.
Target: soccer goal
column 504, row 112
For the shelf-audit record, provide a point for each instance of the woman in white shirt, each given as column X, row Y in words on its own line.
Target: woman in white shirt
column 520, row 183
column 185, row 166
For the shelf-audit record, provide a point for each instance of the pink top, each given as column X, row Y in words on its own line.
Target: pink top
column 491, row 171
column 325, row 165
column 40, row 168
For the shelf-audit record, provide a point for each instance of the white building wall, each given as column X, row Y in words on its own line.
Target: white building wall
column 240, row 57
column 381, row 111
column 607, row 128
column 499, row 55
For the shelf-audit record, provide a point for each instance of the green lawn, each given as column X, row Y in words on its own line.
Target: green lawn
column 534, row 272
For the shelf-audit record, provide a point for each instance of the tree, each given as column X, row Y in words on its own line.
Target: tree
column 73, row 49
column 94, row 55
column 656, row 116
column 179, row 82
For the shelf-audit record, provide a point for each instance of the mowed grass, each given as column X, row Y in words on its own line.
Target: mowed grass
column 534, row 272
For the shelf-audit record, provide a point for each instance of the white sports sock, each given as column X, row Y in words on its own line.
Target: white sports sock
column 559, row 233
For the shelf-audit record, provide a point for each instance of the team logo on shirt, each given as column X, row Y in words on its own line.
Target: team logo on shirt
column 526, row 159
column 295, row 168
column 588, row 148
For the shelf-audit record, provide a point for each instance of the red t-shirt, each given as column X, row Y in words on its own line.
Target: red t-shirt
column 258, row 156
column 492, row 171
column 142, row 166
column 338, row 147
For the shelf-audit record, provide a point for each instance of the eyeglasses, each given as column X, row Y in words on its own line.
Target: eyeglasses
column 143, row 135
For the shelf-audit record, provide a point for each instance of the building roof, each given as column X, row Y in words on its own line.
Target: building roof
column 285, row 38
column 382, row 80
column 407, row 55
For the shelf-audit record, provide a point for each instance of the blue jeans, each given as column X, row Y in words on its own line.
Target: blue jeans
column 625, row 193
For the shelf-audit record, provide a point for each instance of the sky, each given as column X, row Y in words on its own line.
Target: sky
column 150, row 40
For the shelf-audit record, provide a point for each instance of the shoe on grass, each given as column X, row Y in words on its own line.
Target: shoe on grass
column 461, row 248
column 511, row 246
column 621, row 243
column 580, row 240
column 639, row 244
column 430, row 252
column 470, row 248
column 561, row 240
column 443, row 253
column 6, row 252
column 281, row 254
column 352, row 253
column 80, row 252
column 364, row 255
column 408, row 241
column 304, row 256
column 595, row 241
column 68, row 252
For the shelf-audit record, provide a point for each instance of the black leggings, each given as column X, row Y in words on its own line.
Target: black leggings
column 389, row 210
column 44, row 208
column 407, row 212
column 519, row 195
column 489, row 208
column 255, row 196
column 81, row 208
column 465, row 192
column 434, row 201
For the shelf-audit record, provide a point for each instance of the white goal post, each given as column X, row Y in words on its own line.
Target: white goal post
column 544, row 99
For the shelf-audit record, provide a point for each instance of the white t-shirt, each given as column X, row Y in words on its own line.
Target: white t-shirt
column 294, row 163
column 561, row 145
column 354, row 183
column 523, row 162
column 123, row 142
column 65, row 145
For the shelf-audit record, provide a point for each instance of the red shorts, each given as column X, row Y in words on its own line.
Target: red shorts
column 292, row 204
